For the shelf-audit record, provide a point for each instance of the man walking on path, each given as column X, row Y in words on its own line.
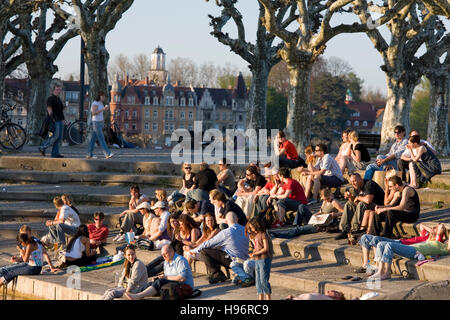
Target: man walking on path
column 55, row 110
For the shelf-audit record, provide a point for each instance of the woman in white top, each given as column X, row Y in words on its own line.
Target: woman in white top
column 97, row 109
column 79, row 252
column 32, row 256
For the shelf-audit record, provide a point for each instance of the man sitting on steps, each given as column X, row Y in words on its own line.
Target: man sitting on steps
column 369, row 194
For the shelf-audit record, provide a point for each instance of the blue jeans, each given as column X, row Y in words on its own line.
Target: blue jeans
column 197, row 195
column 371, row 168
column 55, row 139
column 262, row 275
column 369, row 241
column 97, row 134
column 11, row 271
column 238, row 269
column 303, row 214
column 249, row 268
column 58, row 232
column 292, row 233
column 386, row 250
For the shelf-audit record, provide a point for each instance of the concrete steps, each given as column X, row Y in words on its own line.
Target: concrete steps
column 104, row 178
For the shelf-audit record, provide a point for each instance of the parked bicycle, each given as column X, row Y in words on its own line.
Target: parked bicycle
column 12, row 135
column 77, row 132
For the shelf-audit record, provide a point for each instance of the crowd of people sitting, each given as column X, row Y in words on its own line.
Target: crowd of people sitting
column 213, row 219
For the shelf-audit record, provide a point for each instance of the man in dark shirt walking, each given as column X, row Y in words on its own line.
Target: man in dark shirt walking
column 55, row 110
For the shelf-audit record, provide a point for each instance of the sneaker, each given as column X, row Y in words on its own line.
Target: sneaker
column 218, row 278
column 248, row 283
column 340, row 236
column 119, row 237
column 91, row 157
column 109, row 155
column 58, row 156
column 236, row 281
column 419, row 256
column 42, row 151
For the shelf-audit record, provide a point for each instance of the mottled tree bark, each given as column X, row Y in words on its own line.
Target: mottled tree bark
column 299, row 116
column 438, row 116
column 40, row 61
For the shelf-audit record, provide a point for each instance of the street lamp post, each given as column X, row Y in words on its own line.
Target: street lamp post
column 82, row 71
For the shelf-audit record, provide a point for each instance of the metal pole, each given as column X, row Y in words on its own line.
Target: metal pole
column 81, row 111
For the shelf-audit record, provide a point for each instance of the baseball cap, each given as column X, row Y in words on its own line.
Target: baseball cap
column 159, row 204
column 145, row 205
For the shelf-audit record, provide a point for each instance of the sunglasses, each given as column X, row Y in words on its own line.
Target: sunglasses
column 396, row 132
column 97, row 219
column 188, row 168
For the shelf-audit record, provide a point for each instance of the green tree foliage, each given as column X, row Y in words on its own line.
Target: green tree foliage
column 420, row 108
column 276, row 109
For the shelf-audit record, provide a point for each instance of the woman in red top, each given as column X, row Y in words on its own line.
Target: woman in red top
column 293, row 197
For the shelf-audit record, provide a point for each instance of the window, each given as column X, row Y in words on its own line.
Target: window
column 356, row 114
column 182, row 117
column 207, row 116
column 230, row 116
column 348, row 123
column 125, row 126
column 127, row 114
column 154, row 126
column 172, row 126
column 117, row 112
column 190, row 127
column 147, row 100
column 155, row 114
column 356, row 123
column 19, row 121
column 155, row 101
column 183, row 102
column 224, row 103
column 240, row 117
column 191, row 102
column 169, row 101
column 224, row 116
column 131, row 100
column 147, row 113
column 218, row 116
column 19, row 110
column 364, row 123
column 133, row 126
column 75, row 95
column 134, row 114
column 146, row 126
column 191, row 115
column 168, row 115
column 182, row 125
column 166, row 126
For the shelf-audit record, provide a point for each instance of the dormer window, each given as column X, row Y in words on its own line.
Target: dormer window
column 155, row 101
column 147, row 100
column 131, row 99
column 182, row 102
column 191, row 102
column 224, row 103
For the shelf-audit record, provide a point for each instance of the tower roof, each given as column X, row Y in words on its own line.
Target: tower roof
column 240, row 89
column 158, row 50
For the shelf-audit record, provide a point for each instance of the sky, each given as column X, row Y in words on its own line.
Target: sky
column 181, row 28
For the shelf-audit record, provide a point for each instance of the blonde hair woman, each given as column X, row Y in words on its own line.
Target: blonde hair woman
column 359, row 156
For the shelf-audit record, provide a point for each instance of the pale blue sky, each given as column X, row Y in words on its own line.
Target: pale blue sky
column 181, row 28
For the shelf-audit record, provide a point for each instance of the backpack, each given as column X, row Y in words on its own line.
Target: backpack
column 145, row 244
column 177, row 291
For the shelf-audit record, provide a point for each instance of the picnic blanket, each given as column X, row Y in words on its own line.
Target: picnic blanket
column 101, row 263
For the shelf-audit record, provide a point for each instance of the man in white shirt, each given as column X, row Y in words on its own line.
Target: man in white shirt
column 326, row 172
column 66, row 221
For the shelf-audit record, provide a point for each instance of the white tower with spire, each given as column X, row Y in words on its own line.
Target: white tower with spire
column 158, row 73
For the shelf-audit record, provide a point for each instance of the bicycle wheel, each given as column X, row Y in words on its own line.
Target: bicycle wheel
column 12, row 136
column 77, row 132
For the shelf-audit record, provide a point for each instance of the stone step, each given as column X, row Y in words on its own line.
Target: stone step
column 101, row 165
column 82, row 194
column 109, row 178
column 306, row 275
column 323, row 247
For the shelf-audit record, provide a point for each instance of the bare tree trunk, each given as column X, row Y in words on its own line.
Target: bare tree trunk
column 37, row 109
column 299, row 117
column 397, row 111
column 258, row 96
column 438, row 117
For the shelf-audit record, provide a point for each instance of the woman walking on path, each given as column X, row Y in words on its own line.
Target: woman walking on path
column 97, row 109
